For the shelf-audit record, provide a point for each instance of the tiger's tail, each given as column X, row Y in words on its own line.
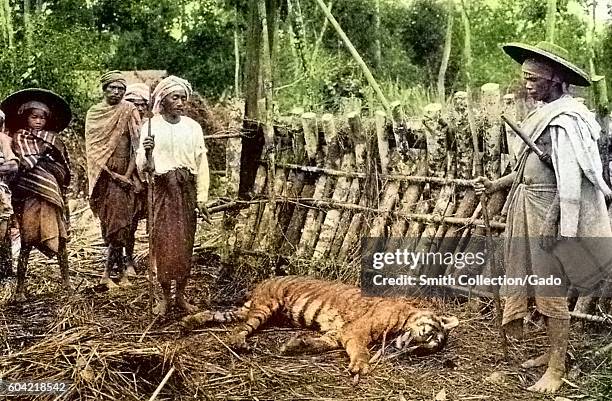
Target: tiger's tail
column 199, row 319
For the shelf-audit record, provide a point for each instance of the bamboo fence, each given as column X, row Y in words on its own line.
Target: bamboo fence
column 338, row 178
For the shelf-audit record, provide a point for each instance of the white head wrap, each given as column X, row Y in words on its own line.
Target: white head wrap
column 33, row 104
column 137, row 91
column 2, row 115
column 167, row 86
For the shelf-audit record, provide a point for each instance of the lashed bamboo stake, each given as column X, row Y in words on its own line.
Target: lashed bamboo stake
column 323, row 188
column 295, row 179
column 309, row 138
column 491, row 129
column 348, row 238
column 437, row 153
column 390, row 195
column 333, row 216
column 383, row 142
column 465, row 154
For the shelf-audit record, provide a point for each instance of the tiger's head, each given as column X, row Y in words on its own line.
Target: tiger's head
column 425, row 333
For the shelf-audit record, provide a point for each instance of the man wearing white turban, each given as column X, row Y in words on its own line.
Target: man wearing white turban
column 138, row 94
column 180, row 185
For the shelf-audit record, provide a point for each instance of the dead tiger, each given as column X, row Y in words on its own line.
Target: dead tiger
column 338, row 310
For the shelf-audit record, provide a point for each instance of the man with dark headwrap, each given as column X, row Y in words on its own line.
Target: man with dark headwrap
column 181, row 180
column 111, row 139
column 557, row 217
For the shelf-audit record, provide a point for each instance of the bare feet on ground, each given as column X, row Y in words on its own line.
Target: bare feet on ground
column 105, row 280
column 536, row 362
column 130, row 272
column 124, row 282
column 186, row 306
column 514, row 329
column 549, row 383
column 161, row 308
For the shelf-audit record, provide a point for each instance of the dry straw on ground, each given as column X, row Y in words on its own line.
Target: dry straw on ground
column 106, row 347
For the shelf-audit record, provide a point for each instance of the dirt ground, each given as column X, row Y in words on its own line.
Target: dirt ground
column 105, row 345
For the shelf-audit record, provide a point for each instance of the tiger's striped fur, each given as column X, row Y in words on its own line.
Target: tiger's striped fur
column 340, row 312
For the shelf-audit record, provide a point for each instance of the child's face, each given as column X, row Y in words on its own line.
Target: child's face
column 37, row 119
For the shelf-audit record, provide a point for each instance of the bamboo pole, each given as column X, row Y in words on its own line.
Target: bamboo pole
column 412, row 179
column 345, row 240
column 356, row 56
column 236, row 54
column 448, row 38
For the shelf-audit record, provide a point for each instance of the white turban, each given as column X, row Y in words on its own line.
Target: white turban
column 138, row 91
column 167, row 86
column 2, row 115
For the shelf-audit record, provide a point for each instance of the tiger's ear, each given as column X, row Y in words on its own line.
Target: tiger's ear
column 449, row 322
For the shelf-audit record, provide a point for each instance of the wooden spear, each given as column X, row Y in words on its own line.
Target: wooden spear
column 149, row 174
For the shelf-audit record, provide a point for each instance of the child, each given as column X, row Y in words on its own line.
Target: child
column 43, row 177
column 8, row 165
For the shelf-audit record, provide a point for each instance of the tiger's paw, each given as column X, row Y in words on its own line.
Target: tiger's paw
column 192, row 322
column 360, row 365
column 237, row 342
column 294, row 346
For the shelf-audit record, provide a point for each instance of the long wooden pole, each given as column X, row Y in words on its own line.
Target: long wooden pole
column 357, row 57
column 150, row 179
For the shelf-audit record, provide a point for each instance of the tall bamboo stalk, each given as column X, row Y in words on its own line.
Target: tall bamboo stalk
column 448, row 38
column 357, row 57
column 236, row 55
column 551, row 12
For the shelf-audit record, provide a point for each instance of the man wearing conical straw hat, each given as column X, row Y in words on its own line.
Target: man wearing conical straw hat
column 557, row 199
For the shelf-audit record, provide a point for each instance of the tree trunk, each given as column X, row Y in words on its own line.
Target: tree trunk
column 321, row 35
column 467, row 61
column 295, row 15
column 252, row 144
column 27, row 23
column 446, row 53
column 377, row 47
column 236, row 56
column 551, row 11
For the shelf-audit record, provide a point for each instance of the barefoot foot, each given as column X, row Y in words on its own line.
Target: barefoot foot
column 536, row 362
column 110, row 284
column 549, row 383
column 124, row 282
column 129, row 271
column 161, row 308
column 186, row 306
column 514, row 329
column 20, row 297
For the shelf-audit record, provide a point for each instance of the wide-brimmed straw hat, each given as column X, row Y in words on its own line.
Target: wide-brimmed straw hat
column 558, row 55
column 59, row 109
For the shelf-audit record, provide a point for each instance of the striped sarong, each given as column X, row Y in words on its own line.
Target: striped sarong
column 43, row 165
